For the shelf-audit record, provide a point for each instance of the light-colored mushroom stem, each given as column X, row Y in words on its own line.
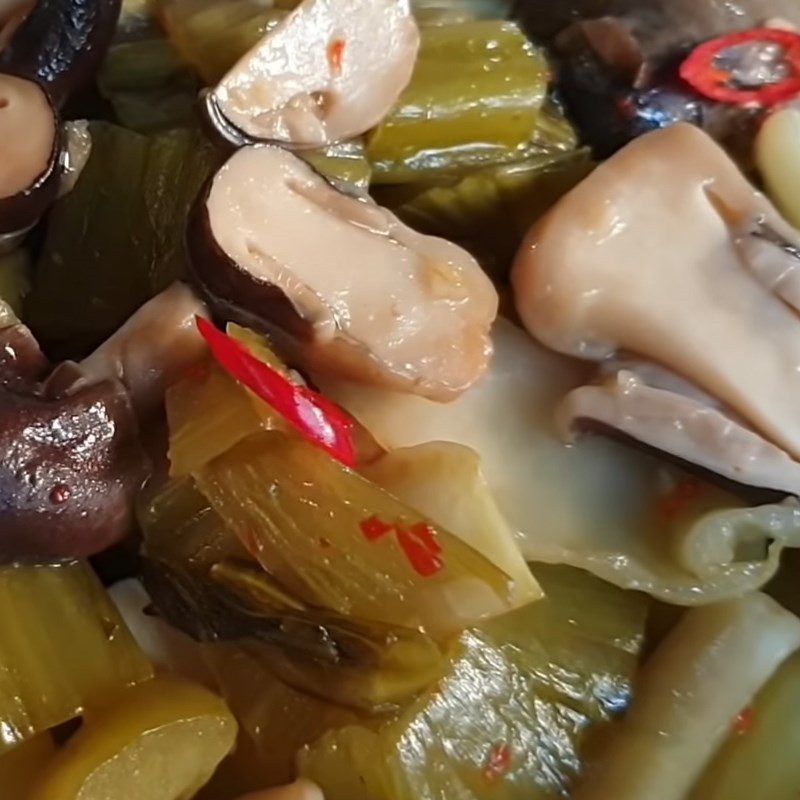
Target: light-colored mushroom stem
column 151, row 350
column 704, row 673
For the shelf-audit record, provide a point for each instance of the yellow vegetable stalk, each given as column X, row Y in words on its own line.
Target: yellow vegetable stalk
column 158, row 741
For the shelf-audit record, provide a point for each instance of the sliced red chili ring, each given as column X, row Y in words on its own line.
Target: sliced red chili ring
column 703, row 73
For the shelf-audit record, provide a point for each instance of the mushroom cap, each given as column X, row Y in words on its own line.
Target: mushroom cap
column 330, row 71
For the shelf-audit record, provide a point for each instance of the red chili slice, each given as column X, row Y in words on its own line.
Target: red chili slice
column 702, row 71
column 315, row 417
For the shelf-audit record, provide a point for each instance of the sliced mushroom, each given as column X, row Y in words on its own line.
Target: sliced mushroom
column 667, row 252
column 659, row 410
column 330, row 71
column 151, row 351
column 61, row 44
column 345, row 286
column 29, row 153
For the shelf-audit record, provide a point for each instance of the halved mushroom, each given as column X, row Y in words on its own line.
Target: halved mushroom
column 346, row 287
column 152, row 349
column 29, row 154
column 61, row 44
column 666, row 251
column 330, row 71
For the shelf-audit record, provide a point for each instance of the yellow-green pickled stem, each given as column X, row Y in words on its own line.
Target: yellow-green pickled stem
column 305, row 517
column 63, row 647
column 480, row 84
column 510, row 717
column 759, row 758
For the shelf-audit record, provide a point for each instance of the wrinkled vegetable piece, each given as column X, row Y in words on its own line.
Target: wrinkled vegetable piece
column 778, row 159
column 758, row 757
column 20, row 767
column 509, row 719
column 445, row 481
column 161, row 740
column 63, row 649
column 204, row 583
column 707, row 669
column 212, row 36
column 148, row 85
column 290, row 503
column 489, row 210
column 92, row 273
column 492, row 97
column 596, row 504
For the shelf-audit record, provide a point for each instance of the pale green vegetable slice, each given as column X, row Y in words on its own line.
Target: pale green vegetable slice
column 158, row 741
column 63, row 647
column 778, row 159
column 510, row 718
column 338, row 542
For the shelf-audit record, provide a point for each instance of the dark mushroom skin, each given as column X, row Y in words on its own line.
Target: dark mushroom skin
column 21, row 209
column 61, row 44
column 619, row 59
column 72, row 460
column 229, row 290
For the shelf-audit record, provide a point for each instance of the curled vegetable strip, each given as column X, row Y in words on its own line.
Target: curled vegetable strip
column 317, row 419
column 689, row 694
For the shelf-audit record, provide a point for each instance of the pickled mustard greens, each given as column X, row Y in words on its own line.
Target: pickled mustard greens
column 487, row 105
column 489, row 210
column 445, row 482
column 92, row 272
column 212, row 35
column 158, row 741
column 344, row 164
column 759, row 757
column 339, row 542
column 509, row 719
column 63, row 648
column 202, row 581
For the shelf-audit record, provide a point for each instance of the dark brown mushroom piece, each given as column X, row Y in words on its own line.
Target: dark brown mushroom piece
column 619, row 59
column 61, row 44
column 342, row 285
column 72, row 461
column 30, row 144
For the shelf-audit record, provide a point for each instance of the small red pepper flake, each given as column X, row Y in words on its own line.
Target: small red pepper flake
column 497, row 762
column 771, row 77
column 743, row 721
column 417, row 542
column 674, row 503
column 315, row 417
column 336, row 54
column 59, row 494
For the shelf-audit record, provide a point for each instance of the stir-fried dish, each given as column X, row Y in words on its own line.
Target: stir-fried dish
column 399, row 399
